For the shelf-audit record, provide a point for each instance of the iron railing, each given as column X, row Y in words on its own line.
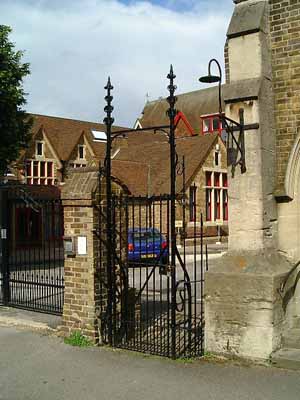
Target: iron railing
column 32, row 262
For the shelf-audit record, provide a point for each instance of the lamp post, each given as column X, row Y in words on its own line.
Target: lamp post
column 229, row 124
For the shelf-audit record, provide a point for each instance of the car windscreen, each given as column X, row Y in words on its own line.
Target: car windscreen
column 143, row 236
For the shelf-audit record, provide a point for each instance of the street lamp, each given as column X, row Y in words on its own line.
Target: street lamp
column 236, row 146
column 214, row 79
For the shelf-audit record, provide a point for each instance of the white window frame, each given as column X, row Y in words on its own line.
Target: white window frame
column 206, row 129
column 81, row 146
column 75, row 164
column 36, row 148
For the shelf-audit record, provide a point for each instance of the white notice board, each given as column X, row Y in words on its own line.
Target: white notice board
column 81, row 245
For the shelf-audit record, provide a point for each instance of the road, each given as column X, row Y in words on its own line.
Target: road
column 148, row 277
column 35, row 367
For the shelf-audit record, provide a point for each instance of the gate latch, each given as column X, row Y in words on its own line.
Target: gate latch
column 165, row 270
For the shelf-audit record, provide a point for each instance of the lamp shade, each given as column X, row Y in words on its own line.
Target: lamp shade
column 210, row 79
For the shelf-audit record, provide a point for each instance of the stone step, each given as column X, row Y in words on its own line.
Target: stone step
column 292, row 339
column 286, row 358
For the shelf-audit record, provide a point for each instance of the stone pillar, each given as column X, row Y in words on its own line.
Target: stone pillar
column 82, row 271
column 244, row 311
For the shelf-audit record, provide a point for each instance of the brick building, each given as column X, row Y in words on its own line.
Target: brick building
column 57, row 145
column 206, row 186
column 140, row 161
column 285, row 56
column 198, row 133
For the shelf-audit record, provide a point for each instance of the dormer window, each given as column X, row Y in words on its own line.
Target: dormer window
column 211, row 123
column 81, row 152
column 216, row 124
column 39, row 150
column 206, row 125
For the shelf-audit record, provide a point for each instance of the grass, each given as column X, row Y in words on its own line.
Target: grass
column 208, row 355
column 186, row 360
column 77, row 339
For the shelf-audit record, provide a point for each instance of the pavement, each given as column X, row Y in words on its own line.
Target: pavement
column 28, row 319
column 214, row 250
column 35, row 364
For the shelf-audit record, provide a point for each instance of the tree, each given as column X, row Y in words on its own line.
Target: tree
column 14, row 122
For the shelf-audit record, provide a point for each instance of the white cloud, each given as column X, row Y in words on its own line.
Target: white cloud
column 72, row 48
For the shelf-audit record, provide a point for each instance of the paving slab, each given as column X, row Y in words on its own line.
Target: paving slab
column 288, row 358
column 10, row 316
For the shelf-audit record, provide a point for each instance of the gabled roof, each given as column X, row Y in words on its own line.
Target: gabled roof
column 142, row 138
column 64, row 133
column 132, row 174
column 142, row 162
column 192, row 105
column 82, row 182
column 195, row 150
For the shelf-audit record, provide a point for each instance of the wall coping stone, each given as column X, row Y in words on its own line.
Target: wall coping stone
column 267, row 263
column 81, row 184
column 245, row 89
column 247, row 18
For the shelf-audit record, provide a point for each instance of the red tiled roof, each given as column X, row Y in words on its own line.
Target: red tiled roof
column 64, row 133
column 192, row 105
column 142, row 162
column 134, row 175
column 195, row 150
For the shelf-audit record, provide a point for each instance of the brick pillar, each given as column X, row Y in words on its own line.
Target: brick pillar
column 82, row 272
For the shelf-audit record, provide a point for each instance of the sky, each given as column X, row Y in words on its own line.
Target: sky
column 74, row 45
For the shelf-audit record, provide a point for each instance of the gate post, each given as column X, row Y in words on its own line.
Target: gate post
column 172, row 114
column 4, row 244
column 108, row 120
column 83, row 269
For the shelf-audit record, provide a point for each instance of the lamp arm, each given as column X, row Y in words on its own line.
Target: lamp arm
column 228, row 129
column 220, row 81
column 218, row 65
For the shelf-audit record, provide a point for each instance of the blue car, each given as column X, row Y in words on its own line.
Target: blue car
column 147, row 244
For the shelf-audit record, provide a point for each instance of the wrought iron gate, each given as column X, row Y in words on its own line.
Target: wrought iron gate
column 32, row 259
column 139, row 299
column 152, row 292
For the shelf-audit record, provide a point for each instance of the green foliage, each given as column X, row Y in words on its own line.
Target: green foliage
column 77, row 339
column 186, row 360
column 208, row 355
column 14, row 123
